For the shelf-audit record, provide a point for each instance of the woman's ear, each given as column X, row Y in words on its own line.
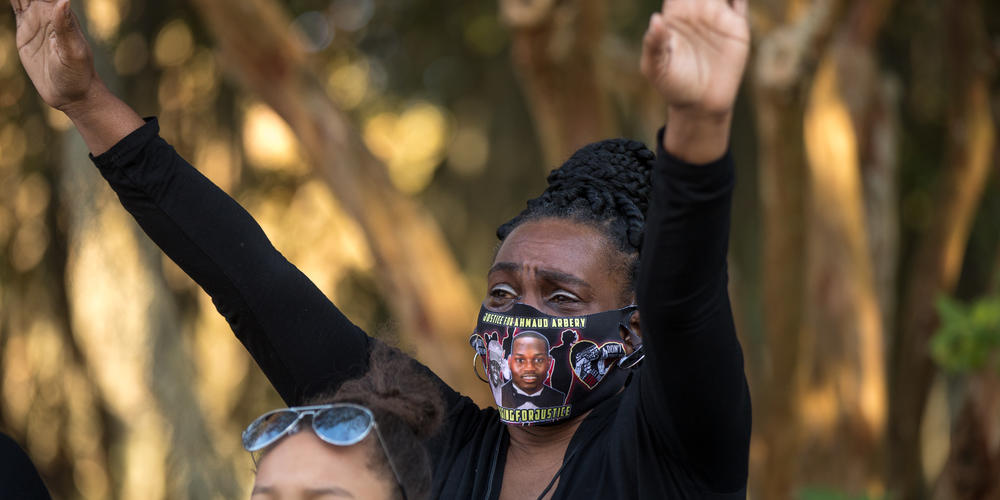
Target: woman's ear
column 632, row 336
column 633, row 323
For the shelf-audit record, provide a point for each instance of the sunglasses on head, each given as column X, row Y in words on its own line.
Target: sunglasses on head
column 340, row 424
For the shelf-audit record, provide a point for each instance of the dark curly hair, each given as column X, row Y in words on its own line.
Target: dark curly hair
column 605, row 185
column 408, row 409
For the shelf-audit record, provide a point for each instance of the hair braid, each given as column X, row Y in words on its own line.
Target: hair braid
column 604, row 184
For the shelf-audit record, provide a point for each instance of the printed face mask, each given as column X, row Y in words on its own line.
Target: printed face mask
column 545, row 368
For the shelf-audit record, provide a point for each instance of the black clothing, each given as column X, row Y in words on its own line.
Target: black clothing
column 562, row 374
column 679, row 429
column 18, row 476
column 548, row 398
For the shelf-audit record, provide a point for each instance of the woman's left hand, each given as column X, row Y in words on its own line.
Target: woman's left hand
column 694, row 53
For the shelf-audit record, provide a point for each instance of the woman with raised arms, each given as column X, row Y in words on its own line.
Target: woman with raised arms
column 643, row 395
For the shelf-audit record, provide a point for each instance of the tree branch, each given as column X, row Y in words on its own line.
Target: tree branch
column 415, row 269
column 557, row 58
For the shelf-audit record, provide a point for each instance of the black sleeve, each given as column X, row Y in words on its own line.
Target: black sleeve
column 301, row 341
column 693, row 372
column 18, row 476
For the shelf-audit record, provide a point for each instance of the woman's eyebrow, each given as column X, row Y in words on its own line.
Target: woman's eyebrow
column 262, row 490
column 333, row 491
column 504, row 266
column 561, row 277
column 545, row 274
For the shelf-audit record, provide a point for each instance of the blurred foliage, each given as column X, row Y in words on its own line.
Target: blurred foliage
column 819, row 493
column 969, row 336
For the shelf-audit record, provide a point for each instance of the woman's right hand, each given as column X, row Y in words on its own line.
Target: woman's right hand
column 55, row 53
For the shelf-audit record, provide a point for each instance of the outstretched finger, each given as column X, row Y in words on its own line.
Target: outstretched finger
column 68, row 39
column 653, row 44
column 18, row 6
column 62, row 18
column 65, row 25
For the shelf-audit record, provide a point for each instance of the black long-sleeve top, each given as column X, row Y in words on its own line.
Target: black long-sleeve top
column 18, row 476
column 679, row 429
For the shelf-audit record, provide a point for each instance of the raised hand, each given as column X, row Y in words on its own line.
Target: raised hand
column 61, row 66
column 694, row 52
column 54, row 52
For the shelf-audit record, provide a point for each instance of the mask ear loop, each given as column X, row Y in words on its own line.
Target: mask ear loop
column 475, row 368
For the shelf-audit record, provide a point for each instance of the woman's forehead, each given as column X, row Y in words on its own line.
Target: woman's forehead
column 559, row 245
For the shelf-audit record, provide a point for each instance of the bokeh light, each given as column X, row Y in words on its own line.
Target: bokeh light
column 214, row 158
column 174, row 44
column 349, row 83
column 131, row 54
column 485, row 35
column 29, row 245
column 12, row 92
column 103, row 17
column 352, row 15
column 57, row 119
column 268, row 142
column 315, row 29
column 13, row 145
column 469, row 150
column 410, row 143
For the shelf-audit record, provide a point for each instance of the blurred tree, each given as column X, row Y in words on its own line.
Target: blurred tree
column 788, row 40
column 416, row 269
column 556, row 49
column 970, row 143
column 847, row 127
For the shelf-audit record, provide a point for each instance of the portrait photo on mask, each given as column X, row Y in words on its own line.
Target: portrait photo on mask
column 545, row 368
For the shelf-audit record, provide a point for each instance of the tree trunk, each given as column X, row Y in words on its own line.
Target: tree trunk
column 782, row 184
column 416, row 270
column 844, row 404
column 127, row 327
column 556, row 52
column 972, row 471
column 935, row 268
column 779, row 69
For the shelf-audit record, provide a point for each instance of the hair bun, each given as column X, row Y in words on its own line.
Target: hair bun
column 606, row 182
column 397, row 390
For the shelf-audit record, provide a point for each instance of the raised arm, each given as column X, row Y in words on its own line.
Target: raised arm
column 300, row 340
column 694, row 54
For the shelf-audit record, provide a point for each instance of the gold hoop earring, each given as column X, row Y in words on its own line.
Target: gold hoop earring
column 475, row 368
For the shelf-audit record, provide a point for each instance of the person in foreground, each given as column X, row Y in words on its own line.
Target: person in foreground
column 625, row 248
column 18, row 476
column 365, row 441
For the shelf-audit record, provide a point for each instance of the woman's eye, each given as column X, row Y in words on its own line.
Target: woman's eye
column 563, row 298
column 502, row 292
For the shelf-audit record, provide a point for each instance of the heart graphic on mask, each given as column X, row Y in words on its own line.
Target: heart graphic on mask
column 591, row 362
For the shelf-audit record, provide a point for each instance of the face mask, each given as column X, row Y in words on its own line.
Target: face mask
column 545, row 368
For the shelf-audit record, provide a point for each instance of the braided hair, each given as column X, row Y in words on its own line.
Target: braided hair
column 605, row 185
